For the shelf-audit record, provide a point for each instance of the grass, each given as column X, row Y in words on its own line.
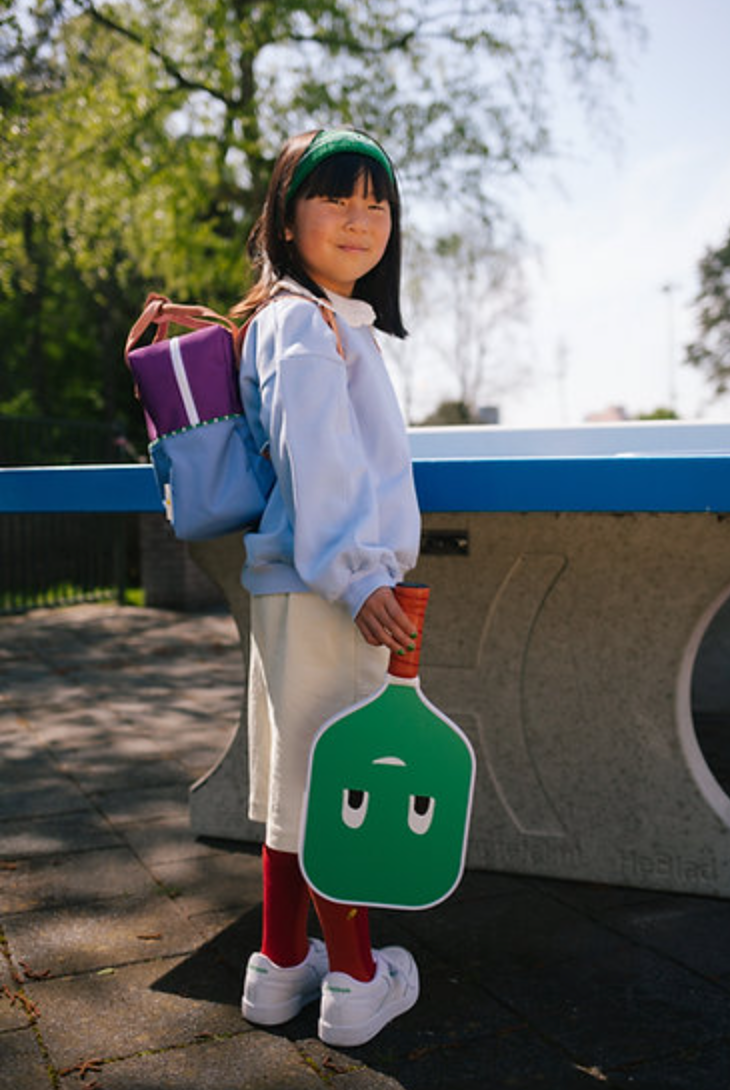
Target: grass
column 65, row 594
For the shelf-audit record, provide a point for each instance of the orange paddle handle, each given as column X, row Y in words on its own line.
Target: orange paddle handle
column 413, row 599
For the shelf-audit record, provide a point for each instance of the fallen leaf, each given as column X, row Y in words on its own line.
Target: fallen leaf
column 18, row 999
column 594, row 1072
column 83, row 1068
column 33, row 974
column 329, row 1065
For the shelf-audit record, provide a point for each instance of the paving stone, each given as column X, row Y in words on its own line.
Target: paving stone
column 78, row 938
column 52, row 836
column 75, row 879
column 595, row 898
column 126, row 1012
column 690, row 1069
column 24, row 761
column 71, row 726
column 343, row 1071
column 658, row 924
column 41, row 800
column 210, row 881
column 516, row 931
column 129, row 806
column 113, row 772
column 12, row 1014
column 25, row 676
column 164, row 842
column 234, row 934
column 126, row 744
column 22, row 1066
column 47, row 695
column 250, row 1061
column 519, row 1060
column 615, row 1010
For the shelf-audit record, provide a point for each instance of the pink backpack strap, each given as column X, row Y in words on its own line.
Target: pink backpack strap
column 331, row 319
column 326, row 311
column 160, row 312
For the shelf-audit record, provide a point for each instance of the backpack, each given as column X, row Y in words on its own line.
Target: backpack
column 211, row 476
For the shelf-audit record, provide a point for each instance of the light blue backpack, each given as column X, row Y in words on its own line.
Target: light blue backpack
column 212, row 477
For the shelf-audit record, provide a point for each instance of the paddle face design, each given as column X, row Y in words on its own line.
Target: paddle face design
column 389, row 800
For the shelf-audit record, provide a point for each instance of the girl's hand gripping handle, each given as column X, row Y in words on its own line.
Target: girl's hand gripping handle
column 392, row 618
column 413, row 599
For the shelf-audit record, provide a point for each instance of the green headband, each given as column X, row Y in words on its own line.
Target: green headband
column 332, row 142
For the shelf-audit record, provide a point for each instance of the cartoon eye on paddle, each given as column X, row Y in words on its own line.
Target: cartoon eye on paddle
column 420, row 813
column 354, row 807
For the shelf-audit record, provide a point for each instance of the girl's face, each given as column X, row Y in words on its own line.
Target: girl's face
column 340, row 239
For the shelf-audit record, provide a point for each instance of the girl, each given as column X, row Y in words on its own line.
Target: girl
column 340, row 529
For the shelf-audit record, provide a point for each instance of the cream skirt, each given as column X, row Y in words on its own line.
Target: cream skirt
column 308, row 662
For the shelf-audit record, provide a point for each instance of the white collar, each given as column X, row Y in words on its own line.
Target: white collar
column 356, row 312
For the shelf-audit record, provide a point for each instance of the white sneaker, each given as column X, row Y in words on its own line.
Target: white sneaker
column 272, row 994
column 353, row 1012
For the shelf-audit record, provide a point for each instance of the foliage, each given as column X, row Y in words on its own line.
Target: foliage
column 710, row 352
column 451, row 413
column 466, row 302
column 659, row 414
column 488, row 304
column 136, row 139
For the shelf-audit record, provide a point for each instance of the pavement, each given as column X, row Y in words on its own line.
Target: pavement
column 123, row 937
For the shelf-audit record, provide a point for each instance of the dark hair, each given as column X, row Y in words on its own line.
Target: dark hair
column 336, row 176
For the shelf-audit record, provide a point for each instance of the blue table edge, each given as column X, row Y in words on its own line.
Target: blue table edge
column 620, row 483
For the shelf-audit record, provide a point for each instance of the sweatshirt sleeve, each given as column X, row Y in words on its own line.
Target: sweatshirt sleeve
column 327, row 484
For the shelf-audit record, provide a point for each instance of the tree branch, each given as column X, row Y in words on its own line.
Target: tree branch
column 353, row 45
column 167, row 63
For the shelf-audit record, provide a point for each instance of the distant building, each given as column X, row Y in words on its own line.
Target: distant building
column 460, row 413
column 610, row 415
column 488, row 414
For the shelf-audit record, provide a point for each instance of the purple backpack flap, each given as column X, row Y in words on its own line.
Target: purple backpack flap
column 185, row 380
column 211, row 476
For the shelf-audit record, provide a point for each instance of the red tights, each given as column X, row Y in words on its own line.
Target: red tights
column 346, row 929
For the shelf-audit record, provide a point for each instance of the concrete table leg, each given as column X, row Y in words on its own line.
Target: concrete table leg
column 219, row 799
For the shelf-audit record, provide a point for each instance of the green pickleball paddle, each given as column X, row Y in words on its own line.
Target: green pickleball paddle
column 388, row 801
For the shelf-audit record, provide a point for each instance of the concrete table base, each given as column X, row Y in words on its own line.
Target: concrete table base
column 575, row 649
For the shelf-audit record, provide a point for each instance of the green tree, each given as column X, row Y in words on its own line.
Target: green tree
column 659, row 414
column 710, row 352
column 488, row 304
column 136, row 139
column 451, row 413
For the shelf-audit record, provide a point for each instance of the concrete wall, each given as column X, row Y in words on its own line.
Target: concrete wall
column 171, row 578
column 565, row 645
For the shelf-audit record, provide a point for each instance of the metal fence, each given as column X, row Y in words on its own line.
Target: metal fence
column 60, row 559
column 48, row 441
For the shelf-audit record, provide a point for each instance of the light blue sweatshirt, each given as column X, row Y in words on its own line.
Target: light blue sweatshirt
column 343, row 518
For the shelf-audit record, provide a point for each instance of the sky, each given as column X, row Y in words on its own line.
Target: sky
column 620, row 226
